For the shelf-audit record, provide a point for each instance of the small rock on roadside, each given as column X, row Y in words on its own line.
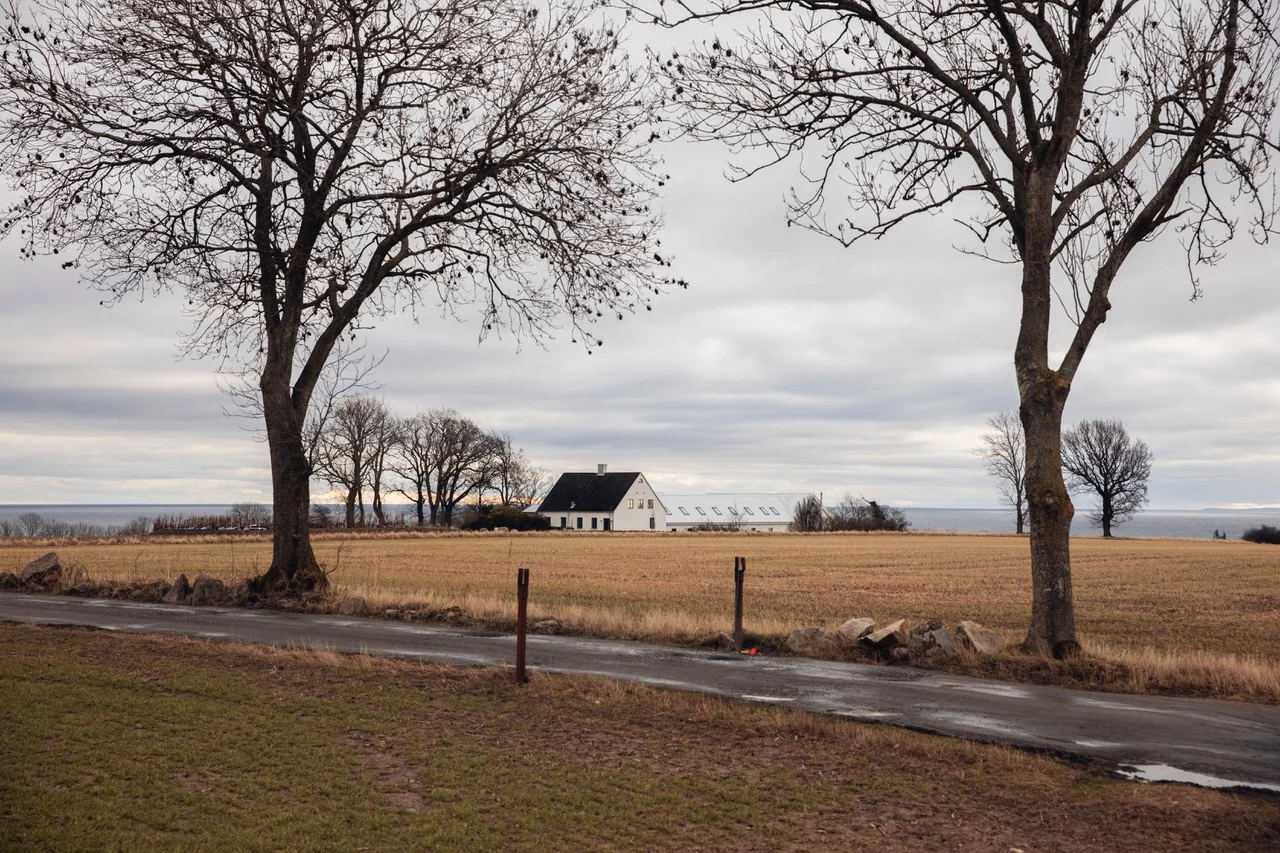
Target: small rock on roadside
column 721, row 641
column 354, row 606
column 84, row 589
column 890, row 636
column 207, row 591
column 813, row 641
column 856, row 628
column 550, row 626
column 242, row 594
column 179, row 591
column 42, row 569
column 931, row 639
column 149, row 593
column 8, row 580
column 979, row 638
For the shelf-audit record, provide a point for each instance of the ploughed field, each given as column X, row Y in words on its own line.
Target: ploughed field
column 1174, row 596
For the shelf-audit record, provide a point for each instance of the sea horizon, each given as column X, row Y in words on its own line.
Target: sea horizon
column 1151, row 523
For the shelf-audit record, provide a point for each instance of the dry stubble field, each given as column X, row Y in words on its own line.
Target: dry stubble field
column 1190, row 600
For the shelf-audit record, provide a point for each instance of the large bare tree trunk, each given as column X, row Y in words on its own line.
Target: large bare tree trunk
column 294, row 567
column 1053, row 619
column 1043, row 395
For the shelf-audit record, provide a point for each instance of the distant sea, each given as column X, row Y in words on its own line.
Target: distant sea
column 1180, row 524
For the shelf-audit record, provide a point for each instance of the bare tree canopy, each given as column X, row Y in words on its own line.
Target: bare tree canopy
column 515, row 480
column 866, row 515
column 413, row 460
column 809, row 515
column 1099, row 457
column 1063, row 134
column 297, row 167
column 351, row 453
column 1003, row 452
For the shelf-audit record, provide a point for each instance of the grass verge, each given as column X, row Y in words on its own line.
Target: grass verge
column 145, row 743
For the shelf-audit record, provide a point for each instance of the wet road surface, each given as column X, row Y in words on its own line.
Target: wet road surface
column 1204, row 741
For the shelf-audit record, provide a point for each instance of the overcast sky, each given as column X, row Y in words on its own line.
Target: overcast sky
column 790, row 364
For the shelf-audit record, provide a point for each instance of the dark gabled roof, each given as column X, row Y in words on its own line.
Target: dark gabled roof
column 588, row 492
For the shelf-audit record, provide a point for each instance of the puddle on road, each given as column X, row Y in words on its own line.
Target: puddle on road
column 1165, row 773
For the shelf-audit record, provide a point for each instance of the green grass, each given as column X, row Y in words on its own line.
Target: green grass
column 115, row 741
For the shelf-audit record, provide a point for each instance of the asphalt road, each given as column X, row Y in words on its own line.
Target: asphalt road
column 1204, row 741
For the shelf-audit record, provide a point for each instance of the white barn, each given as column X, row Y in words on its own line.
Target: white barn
column 762, row 511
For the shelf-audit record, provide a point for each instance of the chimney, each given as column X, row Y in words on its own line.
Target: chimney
column 602, row 469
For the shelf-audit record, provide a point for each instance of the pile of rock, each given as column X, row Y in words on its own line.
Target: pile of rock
column 929, row 640
column 46, row 574
column 40, row 574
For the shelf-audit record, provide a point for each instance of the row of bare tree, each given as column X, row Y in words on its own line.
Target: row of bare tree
column 436, row 460
column 1098, row 456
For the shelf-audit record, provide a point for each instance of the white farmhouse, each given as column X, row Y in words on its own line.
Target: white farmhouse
column 604, row 501
column 767, row 512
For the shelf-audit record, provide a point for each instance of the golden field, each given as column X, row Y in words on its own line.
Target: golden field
column 1168, row 595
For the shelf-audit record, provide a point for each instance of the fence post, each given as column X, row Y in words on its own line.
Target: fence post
column 739, row 572
column 522, row 606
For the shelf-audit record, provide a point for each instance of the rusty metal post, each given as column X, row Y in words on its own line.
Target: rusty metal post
column 522, row 608
column 739, row 572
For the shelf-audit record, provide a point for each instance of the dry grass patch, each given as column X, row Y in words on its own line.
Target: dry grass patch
column 1172, row 612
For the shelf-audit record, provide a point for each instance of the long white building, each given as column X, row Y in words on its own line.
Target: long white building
column 761, row 511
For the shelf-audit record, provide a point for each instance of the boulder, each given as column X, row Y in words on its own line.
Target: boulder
column 207, row 591
column 42, row 570
column 551, row 626
column 84, row 589
column 891, row 635
column 8, row 580
column 980, row 639
column 813, row 641
column 178, row 592
column 242, row 594
column 150, row 593
column 720, row 641
column 856, row 628
column 931, row 639
column 355, row 606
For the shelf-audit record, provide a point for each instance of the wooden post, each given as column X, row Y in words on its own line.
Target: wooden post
column 739, row 572
column 522, row 607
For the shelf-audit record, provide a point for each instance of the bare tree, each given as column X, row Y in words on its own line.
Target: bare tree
column 515, row 480
column 1099, row 457
column 1066, row 134
column 1003, row 451
column 248, row 516
column 351, row 449
column 865, row 515
column 463, row 463
column 413, row 459
column 297, row 166
column 809, row 516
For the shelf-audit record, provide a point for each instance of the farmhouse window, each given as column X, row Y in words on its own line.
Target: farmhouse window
column 650, row 503
column 594, row 524
column 631, row 503
column 579, row 522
